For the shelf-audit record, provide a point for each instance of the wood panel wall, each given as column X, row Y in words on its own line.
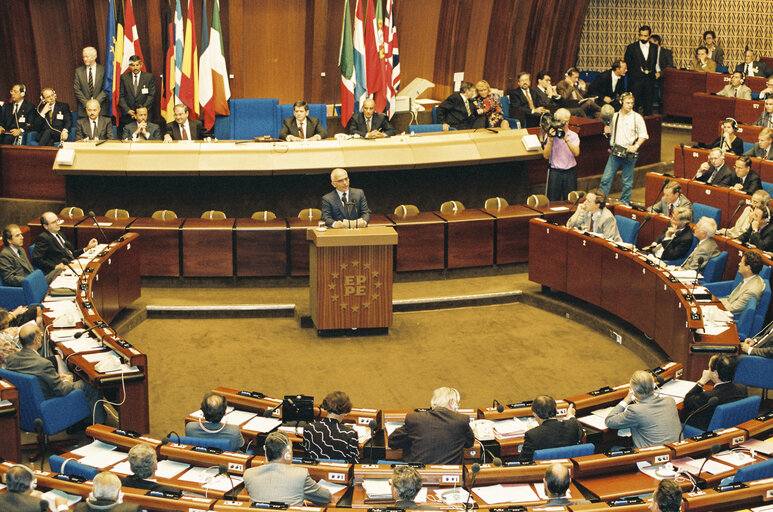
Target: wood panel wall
column 289, row 49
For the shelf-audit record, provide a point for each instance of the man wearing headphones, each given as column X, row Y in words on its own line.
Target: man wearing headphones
column 19, row 116
column 213, row 407
column 54, row 120
column 736, row 88
column 766, row 118
column 106, row 496
column 21, row 495
column 279, row 481
column 593, row 216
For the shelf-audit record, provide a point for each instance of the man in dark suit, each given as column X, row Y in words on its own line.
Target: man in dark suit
column 89, row 83
column 14, row 264
column 436, row 436
column 523, row 102
column 344, row 206
column 137, row 89
column 751, row 67
column 609, row 85
column 458, row 110
column 551, row 432
column 760, row 231
column 556, row 484
column 20, row 495
column 51, row 247
column 183, row 128
column 368, row 123
column 665, row 60
column 676, row 240
column 766, row 118
column 545, row 94
column 761, row 148
column 19, row 116
column 746, row 180
column 301, row 126
column 720, row 371
column 94, row 127
column 715, row 172
column 141, row 129
column 54, row 120
column 641, row 58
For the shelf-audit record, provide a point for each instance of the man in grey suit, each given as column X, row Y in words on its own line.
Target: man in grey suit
column 89, row 83
column 653, row 419
column 759, row 199
column 344, row 206
column 593, row 216
column 21, row 496
column 94, row 127
column 279, row 481
column 762, row 148
column 137, row 89
column 14, row 263
column 706, row 248
column 671, row 200
column 736, row 88
column 752, row 284
column 53, row 384
column 766, row 118
column 141, row 129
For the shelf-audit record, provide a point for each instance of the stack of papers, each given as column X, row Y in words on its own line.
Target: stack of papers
column 363, row 433
column 509, row 428
column 261, row 424
column 507, row 493
column 238, row 417
column 65, row 280
column 597, row 418
column 170, row 468
column 99, row 455
column 53, row 494
column 83, row 344
column 677, row 388
column 377, row 489
column 759, row 446
column 330, row 486
column 735, row 458
column 391, row 426
column 65, row 312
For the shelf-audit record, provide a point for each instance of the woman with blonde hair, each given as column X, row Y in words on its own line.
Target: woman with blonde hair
column 488, row 104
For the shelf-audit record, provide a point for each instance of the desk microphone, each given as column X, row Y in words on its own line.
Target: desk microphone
column 645, row 221
column 496, row 461
column 499, row 406
column 740, row 203
column 168, row 438
column 662, row 187
column 94, row 218
column 270, row 412
column 373, row 427
column 81, row 333
column 222, row 469
column 715, row 448
column 684, row 163
column 713, row 401
column 474, row 468
column 580, row 195
column 697, row 273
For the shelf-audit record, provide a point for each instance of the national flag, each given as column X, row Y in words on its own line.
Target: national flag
column 131, row 39
column 110, row 42
column 189, row 83
column 346, row 63
column 374, row 64
column 117, row 60
column 179, row 46
column 391, row 57
column 214, row 90
column 167, row 79
column 380, row 95
column 358, row 43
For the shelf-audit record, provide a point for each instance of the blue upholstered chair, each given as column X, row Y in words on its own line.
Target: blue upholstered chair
column 11, row 297
column 767, row 186
column 679, row 261
column 205, row 442
column 752, row 472
column 714, row 268
column 253, row 117
column 723, row 288
column 701, row 210
column 505, row 101
column 35, row 287
column 222, row 129
column 729, row 415
column 755, row 371
column 64, row 466
column 744, row 322
column 565, row 452
column 427, row 128
column 628, row 228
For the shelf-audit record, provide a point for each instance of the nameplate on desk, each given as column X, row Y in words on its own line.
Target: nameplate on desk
column 627, row 500
column 704, row 436
column 511, row 508
column 71, row 478
column 252, row 394
column 765, row 417
column 731, row 487
column 127, row 433
column 518, row 405
column 170, row 495
column 202, row 449
column 273, row 504
column 618, row 453
column 516, row 463
column 601, row 391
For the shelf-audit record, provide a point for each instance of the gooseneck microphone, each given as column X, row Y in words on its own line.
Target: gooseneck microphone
column 713, row 401
column 580, row 195
column 474, row 468
column 662, row 188
column 270, row 412
column 740, row 204
column 698, row 273
column 81, row 333
column 373, row 426
column 94, row 218
column 715, row 448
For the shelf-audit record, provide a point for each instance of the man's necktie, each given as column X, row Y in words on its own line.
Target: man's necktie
column 735, row 93
column 183, row 132
column 670, row 209
column 346, row 206
column 713, row 175
column 592, row 224
column 15, row 109
column 302, row 130
column 136, row 83
column 528, row 98
column 91, row 83
column 467, row 106
column 367, row 121
column 93, row 129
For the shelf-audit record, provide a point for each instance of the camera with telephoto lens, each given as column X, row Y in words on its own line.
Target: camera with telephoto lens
column 552, row 126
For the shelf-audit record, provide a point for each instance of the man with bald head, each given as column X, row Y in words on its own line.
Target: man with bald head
column 52, row 383
column 14, row 262
column 556, row 481
column 94, row 127
column 51, row 247
column 368, row 123
column 89, row 81
column 344, row 207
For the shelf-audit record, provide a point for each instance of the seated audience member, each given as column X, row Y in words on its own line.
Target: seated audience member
column 729, row 141
column 706, row 247
column 51, row 246
column 761, row 345
column 21, row 495
column 183, row 128
column 652, row 417
column 751, row 67
column 9, row 337
column 676, row 240
column 702, row 61
column 279, row 480
column 141, row 129
column 761, row 148
column 19, row 116
column 369, row 123
column 715, row 52
column 746, row 180
column 94, row 127
column 523, row 102
column 672, row 199
column 715, row 172
column 572, row 91
column 766, row 118
column 736, row 88
column 720, row 372
column 487, row 104
column 328, row 438
column 406, row 484
column 54, row 120
column 667, row 497
column 767, row 91
column 458, row 110
column 143, row 461
column 106, row 496
column 213, row 407
column 302, row 126
column 760, row 231
column 593, row 216
column 14, row 263
column 550, row 432
column 609, row 85
column 556, row 481
column 752, row 285
column 759, row 199
column 436, row 436
column 344, row 206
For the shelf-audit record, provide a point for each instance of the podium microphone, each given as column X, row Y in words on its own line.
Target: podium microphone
column 474, row 468
column 740, row 204
column 168, row 438
column 373, row 426
column 715, row 448
column 94, row 218
column 81, row 333
column 270, row 412
column 697, row 273
column 684, row 163
column 713, row 401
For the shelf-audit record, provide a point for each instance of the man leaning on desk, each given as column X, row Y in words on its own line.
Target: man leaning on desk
column 593, row 216
column 368, row 123
column 52, row 248
column 344, row 206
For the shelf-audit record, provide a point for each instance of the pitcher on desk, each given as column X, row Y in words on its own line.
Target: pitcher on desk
column 593, row 216
column 344, row 207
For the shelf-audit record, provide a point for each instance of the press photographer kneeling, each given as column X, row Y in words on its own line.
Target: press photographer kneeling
column 560, row 147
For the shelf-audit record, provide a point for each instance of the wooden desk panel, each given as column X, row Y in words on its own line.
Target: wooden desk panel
column 584, row 280
column 678, row 88
column 699, row 192
column 608, row 487
column 469, row 238
column 766, row 170
column 299, row 245
column 715, row 82
column 160, row 243
column 687, row 167
column 748, row 111
column 618, row 274
column 261, row 247
column 22, row 177
column 706, row 109
column 420, row 242
column 544, row 239
column 87, row 229
column 512, row 233
column 557, row 212
column 10, row 432
column 207, row 247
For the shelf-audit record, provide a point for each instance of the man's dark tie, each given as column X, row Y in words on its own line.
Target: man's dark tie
column 93, row 129
column 713, row 175
column 670, row 209
column 343, row 198
column 136, row 83
column 367, row 121
column 91, row 83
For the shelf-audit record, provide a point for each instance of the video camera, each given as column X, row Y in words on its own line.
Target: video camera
column 552, row 126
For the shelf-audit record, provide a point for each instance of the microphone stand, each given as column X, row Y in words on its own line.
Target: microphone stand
column 662, row 188
column 94, row 218
column 713, row 401
column 701, row 264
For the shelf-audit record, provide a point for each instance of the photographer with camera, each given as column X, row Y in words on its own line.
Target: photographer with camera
column 560, row 147
column 627, row 133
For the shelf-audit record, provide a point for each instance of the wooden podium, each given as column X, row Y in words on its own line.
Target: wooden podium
column 350, row 283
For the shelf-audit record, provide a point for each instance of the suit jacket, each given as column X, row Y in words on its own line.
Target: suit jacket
column 48, row 252
column 758, row 152
column 437, row 436
column 762, row 240
column 25, row 118
column 135, row 482
column 638, row 66
column 709, row 67
column 678, row 246
column 21, row 502
column 313, row 127
column 519, row 106
column 229, row 432
column 653, row 420
column 197, row 130
column 726, row 392
column 736, row 147
column 764, row 348
column 663, row 205
column 284, row 483
column 30, row 362
column 453, row 112
column 412, row 505
column 724, row 177
column 81, row 89
column 13, row 268
column 551, row 434
column 602, row 86
column 707, row 249
column 606, row 225
column 762, row 68
column 666, row 59
column 571, row 94
column 744, row 92
column 127, row 100
column 717, row 55
column 104, row 128
column 105, row 506
column 333, row 208
column 152, row 128
column 736, row 301
column 51, row 125
column 751, row 184
column 764, row 120
column 357, row 124
column 541, row 99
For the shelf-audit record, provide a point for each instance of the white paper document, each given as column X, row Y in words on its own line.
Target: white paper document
column 238, row 417
column 735, row 458
column 759, row 446
column 330, row 486
column 63, row 334
column 261, row 424
column 82, row 344
column 223, row 483
column 94, row 448
column 391, row 426
column 540, row 488
column 677, row 388
column 53, row 494
column 199, row 475
column 377, row 488
column 363, row 433
column 122, row 469
column 104, row 459
column 170, row 468
column 507, row 493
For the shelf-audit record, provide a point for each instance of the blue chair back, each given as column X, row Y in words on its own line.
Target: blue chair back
column 206, row 442
column 35, row 287
column 505, row 102
column 702, row 210
column 767, row 186
column 318, row 110
column 71, row 467
column 589, row 76
column 427, row 128
column 253, row 117
column 714, row 268
column 752, row 472
column 11, row 297
column 721, row 69
column 71, row 134
column 628, row 228
column 755, row 371
column 222, row 129
column 434, row 114
column 679, row 261
column 748, row 146
column 735, row 413
column 565, row 452
column 762, row 310
column 745, row 322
